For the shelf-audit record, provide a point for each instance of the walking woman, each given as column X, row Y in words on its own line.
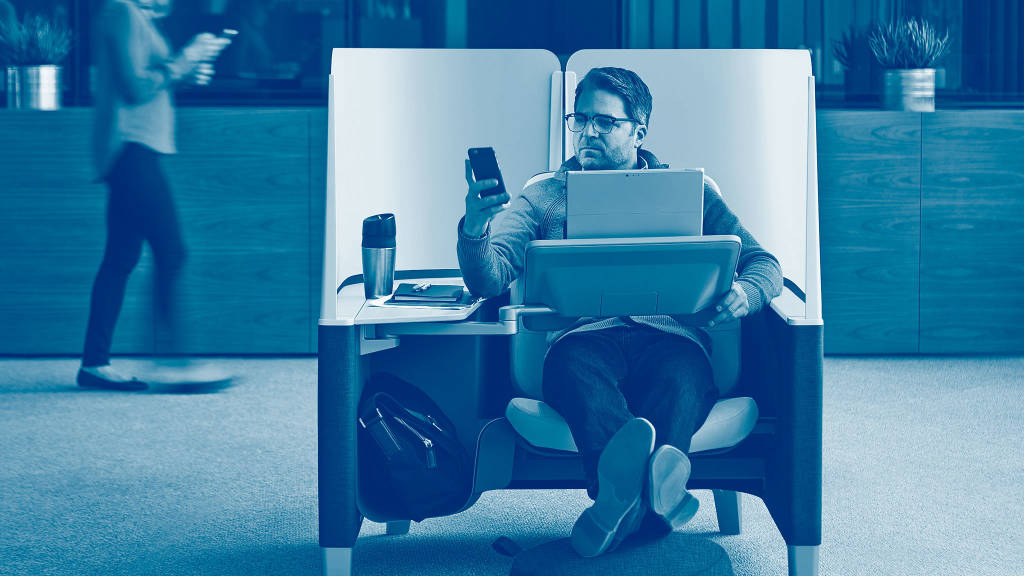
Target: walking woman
column 134, row 127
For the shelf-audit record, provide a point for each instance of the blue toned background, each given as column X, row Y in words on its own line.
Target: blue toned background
column 914, row 207
column 922, row 229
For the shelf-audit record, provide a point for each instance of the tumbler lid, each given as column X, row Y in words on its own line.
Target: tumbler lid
column 379, row 231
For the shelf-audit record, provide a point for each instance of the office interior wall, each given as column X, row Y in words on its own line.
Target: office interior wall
column 920, row 232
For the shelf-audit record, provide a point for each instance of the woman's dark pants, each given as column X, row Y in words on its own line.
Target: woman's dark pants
column 139, row 208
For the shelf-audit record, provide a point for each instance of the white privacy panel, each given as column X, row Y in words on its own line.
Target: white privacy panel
column 400, row 124
column 742, row 115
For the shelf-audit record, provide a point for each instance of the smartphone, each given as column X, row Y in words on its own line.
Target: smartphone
column 485, row 167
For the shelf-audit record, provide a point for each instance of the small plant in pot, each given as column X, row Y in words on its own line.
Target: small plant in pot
column 907, row 49
column 32, row 51
column 853, row 52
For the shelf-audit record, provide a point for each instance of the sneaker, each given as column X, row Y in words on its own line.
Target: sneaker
column 619, row 508
column 670, row 503
column 189, row 378
column 106, row 378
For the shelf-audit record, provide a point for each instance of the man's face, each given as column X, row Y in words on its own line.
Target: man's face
column 615, row 150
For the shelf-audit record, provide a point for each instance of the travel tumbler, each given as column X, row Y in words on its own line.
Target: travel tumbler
column 379, row 255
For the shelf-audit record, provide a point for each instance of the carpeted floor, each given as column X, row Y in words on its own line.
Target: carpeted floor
column 923, row 474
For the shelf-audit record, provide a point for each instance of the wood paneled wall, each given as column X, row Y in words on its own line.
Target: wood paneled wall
column 922, row 231
column 244, row 190
column 869, row 190
column 972, row 233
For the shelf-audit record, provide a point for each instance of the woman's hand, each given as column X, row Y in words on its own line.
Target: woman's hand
column 202, row 75
column 204, row 47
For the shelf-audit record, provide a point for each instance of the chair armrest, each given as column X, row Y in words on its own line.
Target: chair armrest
column 465, row 328
column 792, row 309
column 507, row 324
column 516, row 311
column 782, row 369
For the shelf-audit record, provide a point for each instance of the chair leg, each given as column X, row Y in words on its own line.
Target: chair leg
column 337, row 561
column 803, row 560
column 729, row 510
column 397, row 527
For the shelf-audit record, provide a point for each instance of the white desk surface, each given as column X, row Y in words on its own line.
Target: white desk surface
column 355, row 309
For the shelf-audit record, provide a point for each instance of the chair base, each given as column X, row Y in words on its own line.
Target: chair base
column 803, row 560
column 729, row 510
column 336, row 561
column 397, row 527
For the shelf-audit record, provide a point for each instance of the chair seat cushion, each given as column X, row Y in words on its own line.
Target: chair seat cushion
column 730, row 421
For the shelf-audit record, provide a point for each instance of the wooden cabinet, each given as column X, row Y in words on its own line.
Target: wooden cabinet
column 869, row 186
column 242, row 186
column 972, row 233
column 921, row 219
column 922, row 231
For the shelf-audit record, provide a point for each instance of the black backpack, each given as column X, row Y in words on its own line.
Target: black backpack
column 411, row 463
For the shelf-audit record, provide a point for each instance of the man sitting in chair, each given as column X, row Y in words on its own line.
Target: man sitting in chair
column 616, row 381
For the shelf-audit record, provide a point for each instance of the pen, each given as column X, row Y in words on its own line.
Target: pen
column 421, row 287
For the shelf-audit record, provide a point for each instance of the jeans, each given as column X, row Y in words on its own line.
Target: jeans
column 600, row 379
column 139, row 208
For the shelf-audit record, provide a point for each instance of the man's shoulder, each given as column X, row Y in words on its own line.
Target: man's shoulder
column 544, row 188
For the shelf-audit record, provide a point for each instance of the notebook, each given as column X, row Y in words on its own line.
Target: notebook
column 427, row 292
column 634, row 203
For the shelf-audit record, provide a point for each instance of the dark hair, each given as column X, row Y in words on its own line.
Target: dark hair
column 624, row 83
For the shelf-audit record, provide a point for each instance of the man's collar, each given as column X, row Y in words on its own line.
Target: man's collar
column 644, row 159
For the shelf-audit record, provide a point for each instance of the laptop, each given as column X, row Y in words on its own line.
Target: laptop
column 634, row 203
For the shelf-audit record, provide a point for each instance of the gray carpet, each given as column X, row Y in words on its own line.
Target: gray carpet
column 923, row 474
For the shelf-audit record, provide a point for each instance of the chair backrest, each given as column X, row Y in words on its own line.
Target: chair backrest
column 747, row 118
column 400, row 122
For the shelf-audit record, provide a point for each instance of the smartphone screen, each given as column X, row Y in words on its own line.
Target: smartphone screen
column 485, row 167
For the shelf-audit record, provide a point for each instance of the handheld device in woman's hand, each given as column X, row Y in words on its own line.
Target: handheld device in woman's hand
column 485, row 166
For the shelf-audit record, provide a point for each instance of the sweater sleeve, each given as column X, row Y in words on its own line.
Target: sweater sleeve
column 138, row 81
column 760, row 274
column 490, row 263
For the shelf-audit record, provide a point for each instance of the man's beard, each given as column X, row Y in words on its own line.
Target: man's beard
column 609, row 160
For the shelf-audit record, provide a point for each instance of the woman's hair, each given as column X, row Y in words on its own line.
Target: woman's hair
column 626, row 84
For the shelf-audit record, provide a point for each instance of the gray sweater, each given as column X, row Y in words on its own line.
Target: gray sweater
column 134, row 76
column 490, row 263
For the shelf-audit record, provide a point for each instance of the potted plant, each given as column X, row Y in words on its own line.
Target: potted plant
column 32, row 51
column 907, row 49
column 853, row 52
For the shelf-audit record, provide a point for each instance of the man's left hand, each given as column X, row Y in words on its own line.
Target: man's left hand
column 732, row 307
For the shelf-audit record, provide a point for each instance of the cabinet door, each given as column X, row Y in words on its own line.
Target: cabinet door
column 972, row 237
column 241, row 181
column 52, row 229
column 869, row 201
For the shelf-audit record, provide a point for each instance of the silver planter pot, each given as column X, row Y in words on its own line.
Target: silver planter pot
column 911, row 89
column 33, row 87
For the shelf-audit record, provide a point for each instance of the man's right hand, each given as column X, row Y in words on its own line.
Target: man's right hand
column 479, row 208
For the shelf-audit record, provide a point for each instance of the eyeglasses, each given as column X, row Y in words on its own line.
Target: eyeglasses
column 602, row 122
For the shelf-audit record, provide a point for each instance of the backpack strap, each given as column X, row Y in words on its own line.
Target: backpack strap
column 373, row 422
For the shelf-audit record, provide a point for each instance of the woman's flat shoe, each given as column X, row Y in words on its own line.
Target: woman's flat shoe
column 105, row 378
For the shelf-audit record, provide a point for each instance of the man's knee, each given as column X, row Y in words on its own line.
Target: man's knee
column 565, row 368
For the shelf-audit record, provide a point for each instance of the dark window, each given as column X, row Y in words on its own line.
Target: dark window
column 283, row 50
